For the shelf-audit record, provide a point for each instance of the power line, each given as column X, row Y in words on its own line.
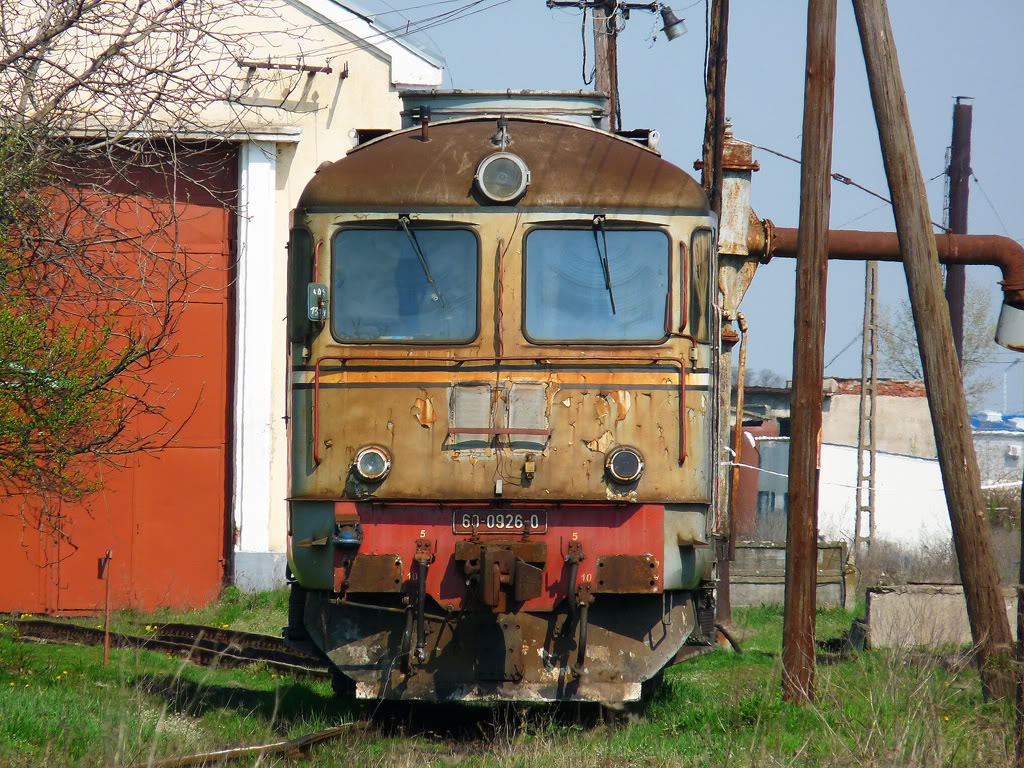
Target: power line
column 840, row 353
column 841, row 178
column 992, row 206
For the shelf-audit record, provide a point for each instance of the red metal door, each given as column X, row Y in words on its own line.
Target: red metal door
column 164, row 514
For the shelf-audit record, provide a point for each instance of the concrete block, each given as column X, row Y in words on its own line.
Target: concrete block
column 929, row 615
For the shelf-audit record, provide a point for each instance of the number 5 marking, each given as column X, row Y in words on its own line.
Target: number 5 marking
column 575, row 536
column 423, row 533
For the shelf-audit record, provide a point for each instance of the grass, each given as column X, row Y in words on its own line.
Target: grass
column 59, row 706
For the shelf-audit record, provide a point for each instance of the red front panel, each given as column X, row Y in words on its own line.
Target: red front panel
column 394, row 529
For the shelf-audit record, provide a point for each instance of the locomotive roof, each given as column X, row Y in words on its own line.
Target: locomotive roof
column 572, row 167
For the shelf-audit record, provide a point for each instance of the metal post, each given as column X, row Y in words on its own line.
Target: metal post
column 104, row 573
column 714, row 88
column 959, row 173
column 606, row 59
column 798, row 655
column 957, row 461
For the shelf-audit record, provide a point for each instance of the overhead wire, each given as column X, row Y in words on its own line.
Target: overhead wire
column 991, row 205
column 409, row 28
column 842, row 179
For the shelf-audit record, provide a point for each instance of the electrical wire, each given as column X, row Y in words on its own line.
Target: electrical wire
column 840, row 353
column 583, row 37
column 409, row 28
column 992, row 206
column 843, row 179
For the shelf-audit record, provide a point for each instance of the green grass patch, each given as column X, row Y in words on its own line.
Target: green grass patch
column 60, row 706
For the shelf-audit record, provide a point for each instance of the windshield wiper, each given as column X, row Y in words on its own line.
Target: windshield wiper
column 599, row 225
column 403, row 221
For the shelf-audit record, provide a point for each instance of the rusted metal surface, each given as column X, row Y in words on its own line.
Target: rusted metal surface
column 947, row 403
column 573, row 167
column 626, row 574
column 798, row 648
column 402, row 483
column 526, row 655
column 851, row 245
column 592, row 530
column 205, row 646
column 368, row 573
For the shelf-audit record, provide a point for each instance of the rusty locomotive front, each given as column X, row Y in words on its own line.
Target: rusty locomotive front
column 502, row 402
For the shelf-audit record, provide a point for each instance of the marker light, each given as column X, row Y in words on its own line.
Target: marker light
column 502, row 177
column 372, row 464
column 625, row 465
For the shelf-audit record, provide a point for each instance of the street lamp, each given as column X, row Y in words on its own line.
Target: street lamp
column 674, row 26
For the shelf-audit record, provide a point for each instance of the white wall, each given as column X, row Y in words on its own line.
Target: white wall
column 313, row 118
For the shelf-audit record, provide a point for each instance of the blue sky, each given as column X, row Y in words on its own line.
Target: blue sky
column 946, row 49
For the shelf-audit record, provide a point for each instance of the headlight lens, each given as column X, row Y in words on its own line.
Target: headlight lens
column 372, row 463
column 502, row 177
column 625, row 465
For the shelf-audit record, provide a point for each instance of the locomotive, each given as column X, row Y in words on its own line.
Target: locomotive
column 502, row 407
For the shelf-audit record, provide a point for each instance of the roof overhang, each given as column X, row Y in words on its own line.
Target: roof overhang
column 409, row 65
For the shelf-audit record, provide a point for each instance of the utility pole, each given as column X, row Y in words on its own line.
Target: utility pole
column 866, row 422
column 798, row 650
column 606, row 59
column 959, row 173
column 957, row 461
column 714, row 88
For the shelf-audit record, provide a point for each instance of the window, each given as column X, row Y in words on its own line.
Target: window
column 300, row 275
column 390, row 285
column 588, row 285
column 701, row 255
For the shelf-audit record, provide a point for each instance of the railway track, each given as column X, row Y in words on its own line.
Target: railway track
column 206, row 646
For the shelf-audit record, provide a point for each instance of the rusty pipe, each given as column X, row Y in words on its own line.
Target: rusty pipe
column 768, row 240
column 738, row 435
column 853, row 245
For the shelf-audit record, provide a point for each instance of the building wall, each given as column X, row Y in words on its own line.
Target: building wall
column 910, row 505
column 177, row 518
column 999, row 457
column 317, row 123
column 902, row 424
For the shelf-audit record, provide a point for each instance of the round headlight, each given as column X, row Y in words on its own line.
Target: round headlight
column 372, row 464
column 625, row 465
column 502, row 177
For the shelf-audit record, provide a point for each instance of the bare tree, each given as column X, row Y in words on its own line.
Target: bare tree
column 107, row 111
column 899, row 352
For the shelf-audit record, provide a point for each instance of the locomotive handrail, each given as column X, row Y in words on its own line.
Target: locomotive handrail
column 539, row 359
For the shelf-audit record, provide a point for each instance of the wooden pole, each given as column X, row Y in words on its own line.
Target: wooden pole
column 959, row 173
column 606, row 59
column 714, row 88
column 960, row 478
column 798, row 655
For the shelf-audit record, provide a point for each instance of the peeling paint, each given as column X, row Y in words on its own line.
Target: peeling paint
column 567, row 402
column 424, row 412
column 622, row 400
column 601, row 408
column 600, row 445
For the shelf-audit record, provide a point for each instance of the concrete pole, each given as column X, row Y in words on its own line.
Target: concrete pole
column 957, row 461
column 798, row 655
column 959, row 172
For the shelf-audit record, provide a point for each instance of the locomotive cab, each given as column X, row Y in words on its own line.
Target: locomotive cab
column 502, row 409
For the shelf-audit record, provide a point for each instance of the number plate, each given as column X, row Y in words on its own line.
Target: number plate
column 510, row 521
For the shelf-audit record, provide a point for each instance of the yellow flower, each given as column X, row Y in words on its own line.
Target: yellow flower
column 27, row 684
column 946, row 717
column 12, row 683
column 65, row 672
